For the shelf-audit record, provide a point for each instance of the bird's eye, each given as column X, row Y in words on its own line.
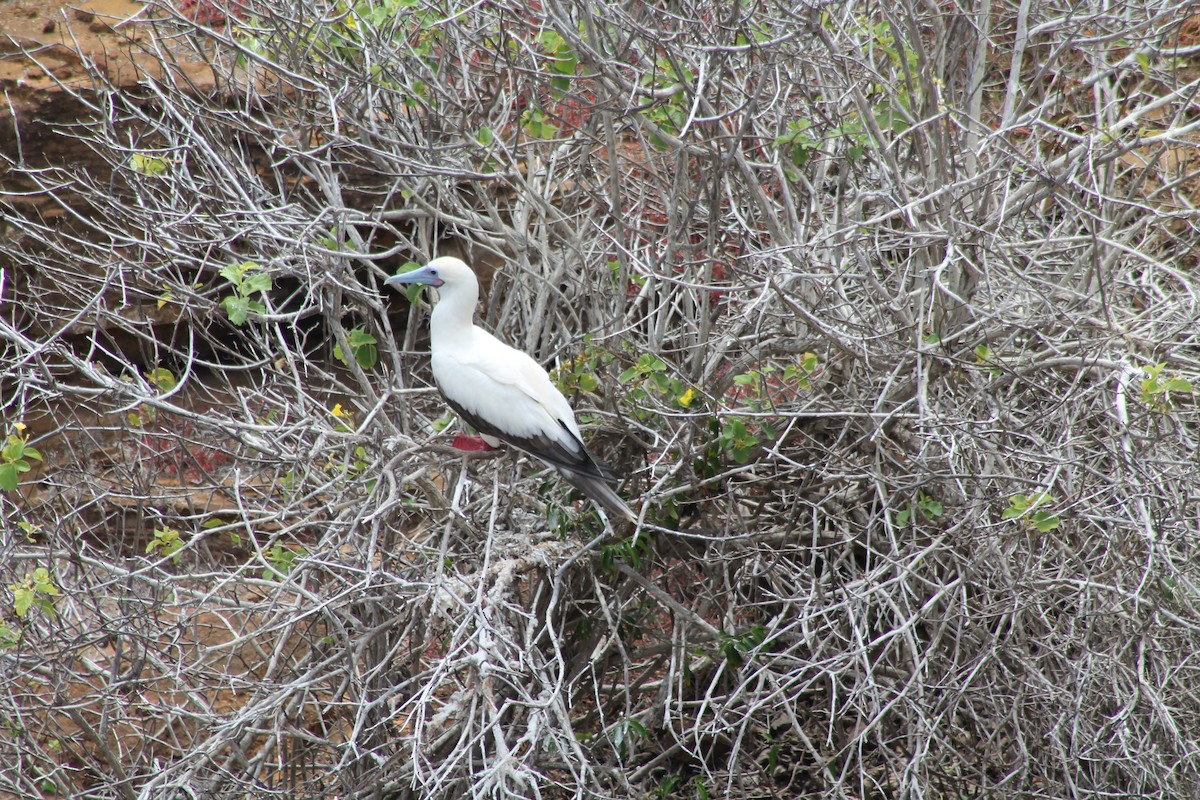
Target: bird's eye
column 433, row 272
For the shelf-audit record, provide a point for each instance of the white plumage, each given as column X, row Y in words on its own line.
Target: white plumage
column 500, row 391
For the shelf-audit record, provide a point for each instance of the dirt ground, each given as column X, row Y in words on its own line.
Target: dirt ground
column 45, row 48
column 44, row 45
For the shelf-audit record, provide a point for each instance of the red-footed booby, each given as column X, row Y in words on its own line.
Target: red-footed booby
column 501, row 392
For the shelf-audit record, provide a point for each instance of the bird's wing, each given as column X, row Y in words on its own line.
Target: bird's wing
column 504, row 393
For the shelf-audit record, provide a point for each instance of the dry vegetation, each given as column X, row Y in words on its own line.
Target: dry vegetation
column 889, row 313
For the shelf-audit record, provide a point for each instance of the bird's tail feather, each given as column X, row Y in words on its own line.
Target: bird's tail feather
column 602, row 494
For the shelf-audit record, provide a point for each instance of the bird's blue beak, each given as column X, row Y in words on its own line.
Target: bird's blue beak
column 423, row 276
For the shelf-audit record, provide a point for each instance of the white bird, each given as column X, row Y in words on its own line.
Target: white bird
column 501, row 392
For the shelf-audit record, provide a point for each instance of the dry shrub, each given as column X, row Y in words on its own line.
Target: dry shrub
column 889, row 315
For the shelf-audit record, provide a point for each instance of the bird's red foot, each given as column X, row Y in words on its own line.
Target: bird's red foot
column 471, row 444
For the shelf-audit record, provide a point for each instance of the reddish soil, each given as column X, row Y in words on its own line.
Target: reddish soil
column 46, row 48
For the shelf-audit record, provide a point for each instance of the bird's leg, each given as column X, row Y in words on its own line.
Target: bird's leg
column 511, row 458
column 495, row 503
column 460, row 486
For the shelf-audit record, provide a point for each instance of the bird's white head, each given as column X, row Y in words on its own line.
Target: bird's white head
column 447, row 273
column 459, row 292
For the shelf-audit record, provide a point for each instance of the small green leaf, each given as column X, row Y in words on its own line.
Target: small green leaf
column 1043, row 521
column 13, row 448
column 280, row 559
column 1026, row 508
column 237, row 308
column 151, row 166
column 162, row 378
column 363, row 345
column 258, row 282
column 1177, row 385
column 22, row 599
column 233, row 273
column 169, row 540
column 8, row 477
column 731, row 654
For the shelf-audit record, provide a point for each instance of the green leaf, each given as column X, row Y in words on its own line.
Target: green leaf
column 363, row 345
column 8, row 477
column 233, row 273
column 931, row 508
column 1178, row 385
column 22, row 599
column 152, row 166
column 237, row 308
column 13, row 448
column 258, row 282
column 42, row 583
column 1044, row 521
column 280, row 559
column 162, row 378
column 731, row 654
column 1024, row 507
